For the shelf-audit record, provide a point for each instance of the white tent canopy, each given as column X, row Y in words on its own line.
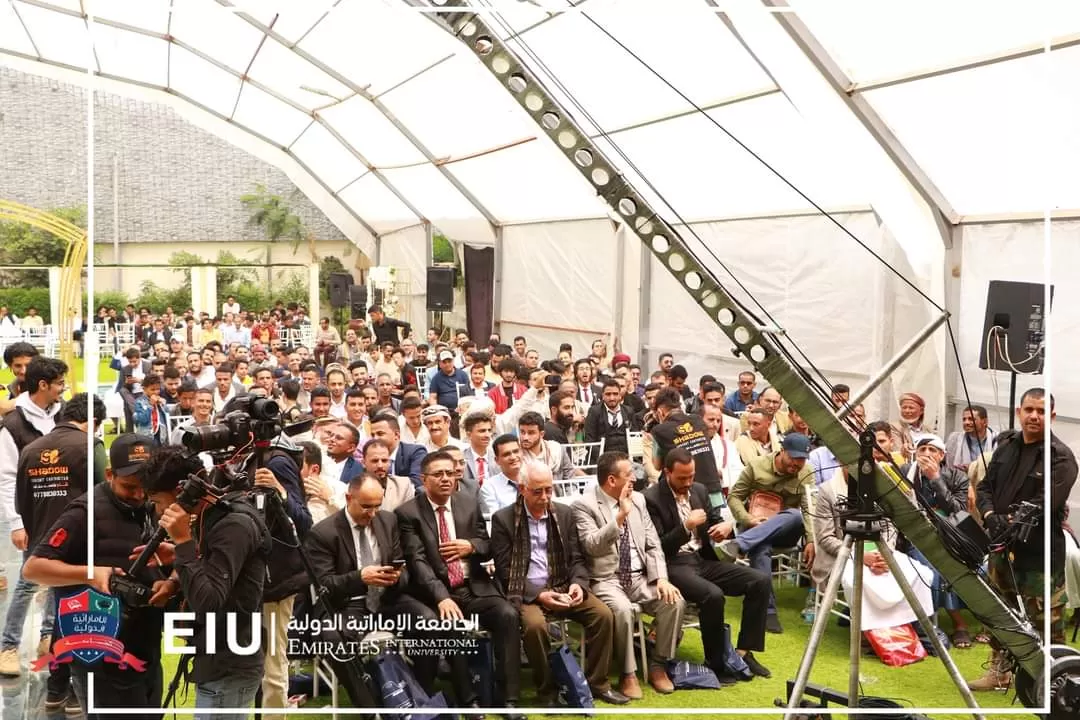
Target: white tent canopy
column 938, row 133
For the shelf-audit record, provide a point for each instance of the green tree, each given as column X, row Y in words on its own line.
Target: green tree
column 23, row 244
column 271, row 213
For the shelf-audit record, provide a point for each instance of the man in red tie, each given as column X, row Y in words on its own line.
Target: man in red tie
column 479, row 458
column 445, row 539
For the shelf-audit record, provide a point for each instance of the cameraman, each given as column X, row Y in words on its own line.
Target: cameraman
column 221, row 569
column 1016, row 475
column 122, row 521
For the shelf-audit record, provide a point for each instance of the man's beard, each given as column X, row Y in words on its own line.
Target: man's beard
column 565, row 421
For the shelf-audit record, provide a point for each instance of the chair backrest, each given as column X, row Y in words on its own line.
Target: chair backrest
column 635, row 445
column 179, row 422
column 584, row 456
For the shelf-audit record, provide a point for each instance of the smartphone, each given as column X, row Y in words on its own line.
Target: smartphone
column 398, row 564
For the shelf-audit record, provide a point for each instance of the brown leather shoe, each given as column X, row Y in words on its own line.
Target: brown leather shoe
column 629, row 687
column 660, row 681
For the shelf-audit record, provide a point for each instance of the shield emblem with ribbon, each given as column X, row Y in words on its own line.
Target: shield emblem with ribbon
column 89, row 623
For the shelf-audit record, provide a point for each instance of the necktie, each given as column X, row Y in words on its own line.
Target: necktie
column 615, row 419
column 368, row 558
column 480, row 471
column 624, row 556
column 585, row 396
column 453, row 568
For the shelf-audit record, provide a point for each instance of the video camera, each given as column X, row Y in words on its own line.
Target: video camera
column 248, row 419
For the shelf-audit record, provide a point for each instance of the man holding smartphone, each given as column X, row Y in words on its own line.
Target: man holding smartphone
column 538, row 560
column 357, row 556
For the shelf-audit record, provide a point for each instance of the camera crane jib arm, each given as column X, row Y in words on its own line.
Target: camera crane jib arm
column 751, row 340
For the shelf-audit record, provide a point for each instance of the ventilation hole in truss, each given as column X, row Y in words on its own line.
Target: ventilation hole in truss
column 742, row 335
column 568, row 139
column 725, row 317
column 660, row 244
column 534, row 102
column 468, row 29
column 627, row 206
column 692, row 280
column 757, row 353
column 483, row 45
column 643, row 226
column 517, row 83
column 676, row 262
column 500, row 64
column 583, row 157
column 710, row 301
column 600, row 176
column 550, row 120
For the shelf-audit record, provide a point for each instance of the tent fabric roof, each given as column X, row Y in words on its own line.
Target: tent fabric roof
column 392, row 119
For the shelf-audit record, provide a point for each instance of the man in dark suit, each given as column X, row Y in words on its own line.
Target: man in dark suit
column 445, row 540
column 405, row 459
column 352, row 553
column 587, row 391
column 549, row 576
column 687, row 525
column 610, row 419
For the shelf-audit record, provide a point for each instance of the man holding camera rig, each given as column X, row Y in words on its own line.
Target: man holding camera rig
column 1015, row 476
column 122, row 522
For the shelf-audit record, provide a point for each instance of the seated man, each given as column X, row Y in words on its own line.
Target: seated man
column 686, row 522
column 397, row 490
column 501, row 488
column 353, row 552
column 626, row 565
column 538, row 560
column 784, row 473
column 446, row 543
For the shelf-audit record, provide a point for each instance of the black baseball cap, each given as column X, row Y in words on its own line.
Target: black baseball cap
column 128, row 453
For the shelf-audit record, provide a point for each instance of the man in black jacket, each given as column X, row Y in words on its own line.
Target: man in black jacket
column 688, row 525
column 356, row 555
column 610, row 419
column 446, row 542
column 1015, row 475
column 221, row 570
column 550, row 578
column 676, row 429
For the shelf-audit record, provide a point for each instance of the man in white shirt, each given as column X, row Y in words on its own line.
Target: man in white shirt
column 335, row 382
column 501, row 489
column 412, row 426
column 230, row 306
column 33, row 321
column 436, row 419
column 728, row 462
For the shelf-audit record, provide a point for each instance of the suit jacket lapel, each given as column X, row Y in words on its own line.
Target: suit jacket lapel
column 462, row 528
column 382, row 537
column 345, row 532
column 602, row 505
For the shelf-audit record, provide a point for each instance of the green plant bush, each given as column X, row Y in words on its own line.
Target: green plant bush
column 110, row 298
column 18, row 300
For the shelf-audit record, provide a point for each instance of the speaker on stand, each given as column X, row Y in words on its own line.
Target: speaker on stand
column 1014, row 332
column 358, row 301
column 338, row 288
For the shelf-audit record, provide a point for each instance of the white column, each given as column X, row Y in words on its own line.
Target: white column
column 54, row 297
column 313, row 292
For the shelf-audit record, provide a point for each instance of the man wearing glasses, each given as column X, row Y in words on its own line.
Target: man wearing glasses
column 446, row 543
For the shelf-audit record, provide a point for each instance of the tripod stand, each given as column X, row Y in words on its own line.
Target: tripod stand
column 861, row 525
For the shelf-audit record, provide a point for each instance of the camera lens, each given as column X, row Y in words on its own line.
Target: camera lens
column 206, row 437
column 265, row 409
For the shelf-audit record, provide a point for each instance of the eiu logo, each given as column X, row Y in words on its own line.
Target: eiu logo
column 89, row 622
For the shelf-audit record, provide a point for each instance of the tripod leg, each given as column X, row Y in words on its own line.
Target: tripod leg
column 943, row 654
column 855, row 610
column 821, row 619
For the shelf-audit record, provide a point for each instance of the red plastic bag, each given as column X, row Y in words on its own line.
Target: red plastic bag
column 896, row 646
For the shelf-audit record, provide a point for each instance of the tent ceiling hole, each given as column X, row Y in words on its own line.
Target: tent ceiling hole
column 517, row 83
column 500, row 64
column 468, row 29
column 692, row 280
column 757, row 353
column 660, row 244
column 725, row 317
column 583, row 157
column 534, row 102
column 710, row 301
column 550, row 120
column 627, row 206
column 742, row 335
column 484, row 46
column 643, row 226
column 600, row 176
column 676, row 262
column 568, row 140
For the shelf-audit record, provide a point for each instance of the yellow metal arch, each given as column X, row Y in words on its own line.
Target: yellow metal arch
column 70, row 273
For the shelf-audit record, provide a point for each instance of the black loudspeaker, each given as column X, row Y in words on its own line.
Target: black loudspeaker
column 1014, row 329
column 338, row 286
column 440, row 288
column 358, row 301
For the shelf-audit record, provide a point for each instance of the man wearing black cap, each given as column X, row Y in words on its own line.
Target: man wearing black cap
column 122, row 522
column 771, row 504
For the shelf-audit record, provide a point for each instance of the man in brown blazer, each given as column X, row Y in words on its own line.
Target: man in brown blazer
column 626, row 565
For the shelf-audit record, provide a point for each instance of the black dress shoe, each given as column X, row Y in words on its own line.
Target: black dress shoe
column 755, row 667
column 726, row 680
column 611, row 696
